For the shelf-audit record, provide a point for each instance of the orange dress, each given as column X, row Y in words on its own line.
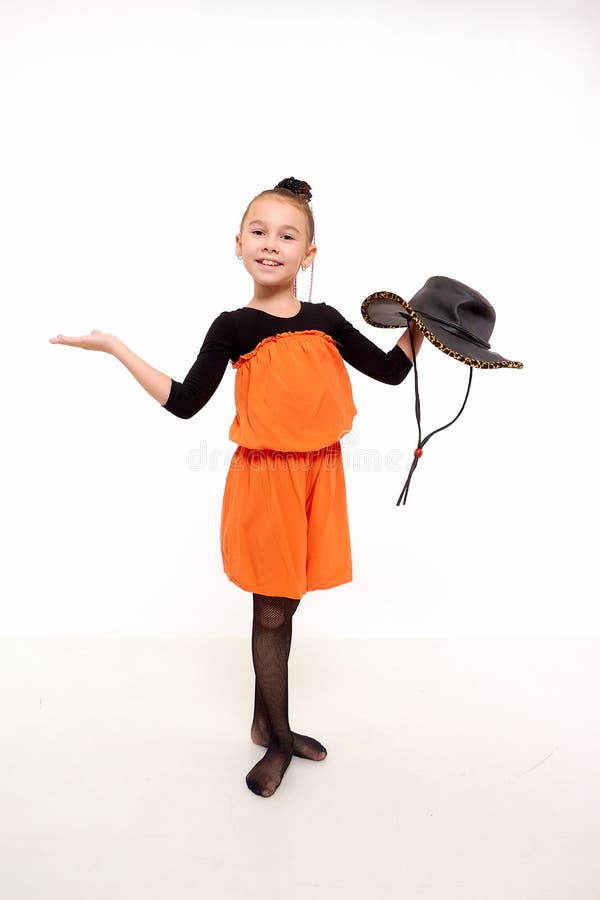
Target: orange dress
column 284, row 519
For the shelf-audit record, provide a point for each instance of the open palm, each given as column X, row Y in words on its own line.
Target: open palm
column 95, row 340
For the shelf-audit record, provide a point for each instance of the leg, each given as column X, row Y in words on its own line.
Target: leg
column 269, row 655
column 260, row 732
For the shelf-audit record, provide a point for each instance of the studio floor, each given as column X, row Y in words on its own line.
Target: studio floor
column 456, row 770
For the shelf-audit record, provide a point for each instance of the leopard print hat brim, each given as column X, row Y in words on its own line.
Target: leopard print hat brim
column 384, row 309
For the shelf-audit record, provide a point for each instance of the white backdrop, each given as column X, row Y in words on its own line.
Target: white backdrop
column 458, row 139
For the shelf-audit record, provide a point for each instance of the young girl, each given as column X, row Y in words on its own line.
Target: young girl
column 284, row 520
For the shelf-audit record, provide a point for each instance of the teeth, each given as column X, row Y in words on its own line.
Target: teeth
column 266, row 262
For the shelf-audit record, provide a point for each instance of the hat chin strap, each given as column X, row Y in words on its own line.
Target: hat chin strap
column 419, row 450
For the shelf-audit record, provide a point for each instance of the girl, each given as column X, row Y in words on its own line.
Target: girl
column 284, row 521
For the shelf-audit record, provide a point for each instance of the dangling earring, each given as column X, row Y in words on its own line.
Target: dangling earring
column 304, row 268
column 312, row 272
column 239, row 257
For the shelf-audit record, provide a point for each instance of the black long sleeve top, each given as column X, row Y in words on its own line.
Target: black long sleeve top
column 234, row 333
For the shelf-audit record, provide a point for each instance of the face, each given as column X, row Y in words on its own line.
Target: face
column 277, row 231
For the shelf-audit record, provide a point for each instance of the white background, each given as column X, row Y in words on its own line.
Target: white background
column 458, row 139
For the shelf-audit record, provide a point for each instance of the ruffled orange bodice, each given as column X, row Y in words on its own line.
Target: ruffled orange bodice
column 292, row 392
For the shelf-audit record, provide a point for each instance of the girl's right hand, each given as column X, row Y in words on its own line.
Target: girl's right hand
column 95, row 340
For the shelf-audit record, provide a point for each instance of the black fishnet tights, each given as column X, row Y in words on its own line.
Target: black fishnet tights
column 271, row 642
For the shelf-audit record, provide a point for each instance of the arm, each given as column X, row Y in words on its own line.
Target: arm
column 183, row 399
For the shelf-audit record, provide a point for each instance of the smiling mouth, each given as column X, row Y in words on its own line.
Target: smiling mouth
column 269, row 264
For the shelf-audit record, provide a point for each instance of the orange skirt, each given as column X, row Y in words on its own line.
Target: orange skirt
column 284, row 521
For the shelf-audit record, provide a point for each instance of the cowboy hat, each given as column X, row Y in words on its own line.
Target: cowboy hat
column 456, row 319
column 453, row 316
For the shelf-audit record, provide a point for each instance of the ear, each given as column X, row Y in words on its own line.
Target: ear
column 238, row 245
column 310, row 256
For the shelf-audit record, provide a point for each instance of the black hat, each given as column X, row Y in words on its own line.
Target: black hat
column 455, row 318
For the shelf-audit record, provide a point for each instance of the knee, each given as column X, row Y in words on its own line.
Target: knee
column 273, row 612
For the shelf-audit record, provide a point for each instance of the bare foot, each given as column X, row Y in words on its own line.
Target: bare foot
column 265, row 777
column 304, row 746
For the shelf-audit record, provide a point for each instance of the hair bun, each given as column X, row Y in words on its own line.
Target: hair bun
column 300, row 188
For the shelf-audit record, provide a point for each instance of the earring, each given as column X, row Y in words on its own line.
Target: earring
column 239, row 257
column 304, row 268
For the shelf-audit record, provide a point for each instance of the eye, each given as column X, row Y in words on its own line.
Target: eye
column 259, row 231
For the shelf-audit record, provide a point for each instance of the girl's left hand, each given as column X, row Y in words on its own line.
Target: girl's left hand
column 417, row 336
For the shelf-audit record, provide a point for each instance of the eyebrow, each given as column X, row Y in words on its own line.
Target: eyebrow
column 260, row 222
